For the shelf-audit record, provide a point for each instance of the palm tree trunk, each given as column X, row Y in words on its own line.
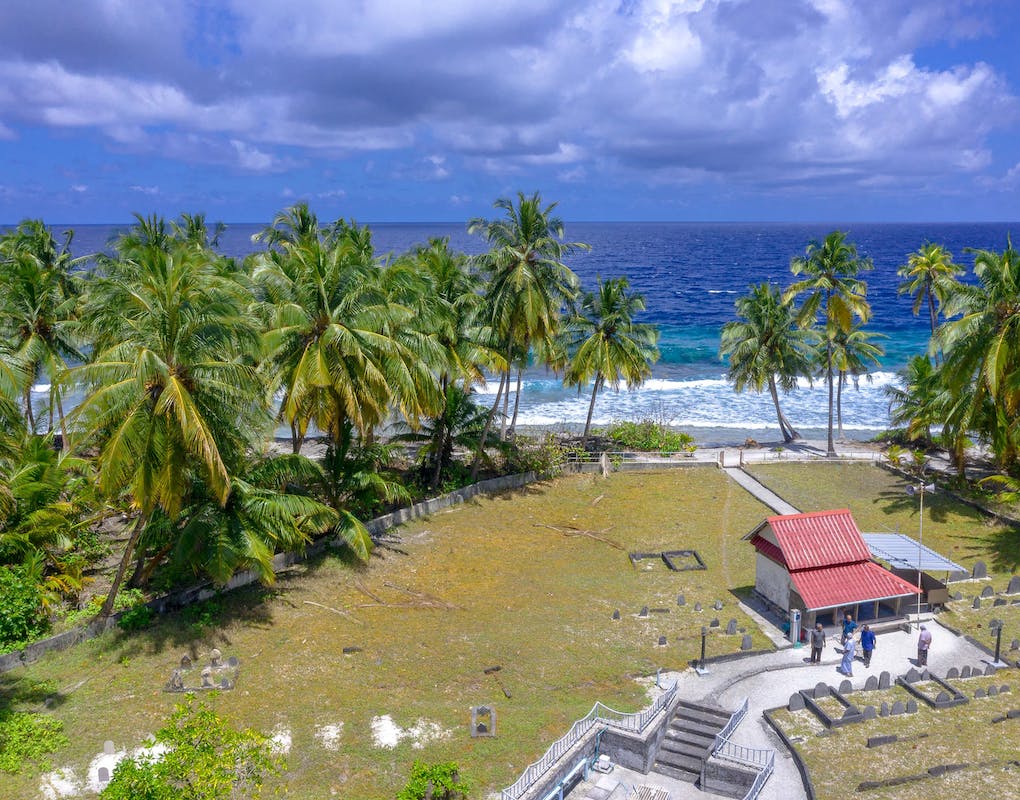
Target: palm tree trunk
column 136, row 532
column 933, row 317
column 296, row 439
column 839, row 403
column 506, row 406
column 789, row 434
column 29, row 416
column 63, row 423
column 517, row 402
column 591, row 408
column 488, row 426
column 830, row 444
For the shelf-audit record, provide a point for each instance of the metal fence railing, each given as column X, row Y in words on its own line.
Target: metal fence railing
column 599, row 715
column 735, row 719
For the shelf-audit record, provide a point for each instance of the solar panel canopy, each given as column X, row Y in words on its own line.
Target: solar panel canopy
column 901, row 552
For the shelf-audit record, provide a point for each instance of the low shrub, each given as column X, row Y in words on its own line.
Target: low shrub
column 28, row 737
column 650, row 436
column 434, row 782
column 22, row 615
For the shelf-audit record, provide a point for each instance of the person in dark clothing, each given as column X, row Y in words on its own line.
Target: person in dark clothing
column 817, row 643
column 867, row 644
column 849, row 626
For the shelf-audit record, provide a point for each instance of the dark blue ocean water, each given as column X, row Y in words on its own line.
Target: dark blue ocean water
column 690, row 275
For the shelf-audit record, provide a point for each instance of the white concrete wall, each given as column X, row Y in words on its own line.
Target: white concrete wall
column 772, row 580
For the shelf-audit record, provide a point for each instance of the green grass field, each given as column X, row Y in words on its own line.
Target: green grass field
column 484, row 584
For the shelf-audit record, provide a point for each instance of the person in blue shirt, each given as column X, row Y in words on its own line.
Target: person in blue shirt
column 867, row 644
column 849, row 626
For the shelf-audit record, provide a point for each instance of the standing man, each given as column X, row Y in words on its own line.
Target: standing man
column 847, row 667
column 817, row 643
column 923, row 643
column 849, row 626
column 867, row 644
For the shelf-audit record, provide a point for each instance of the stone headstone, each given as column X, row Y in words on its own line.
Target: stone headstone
column 965, row 672
column 176, row 682
column 714, row 623
column 884, row 710
column 988, row 591
column 977, row 695
column 185, row 662
column 350, row 650
column 104, row 774
column 643, row 612
column 897, row 708
column 911, row 707
column 616, row 614
column 851, row 711
column 680, row 601
column 233, row 662
column 821, row 690
column 225, row 683
column 980, row 570
column 993, row 691
column 1004, row 688
column 958, row 595
column 697, row 606
column 731, row 627
column 746, row 643
column 912, row 676
column 1000, row 601
column 1015, row 644
column 977, row 603
column 952, row 673
column 662, row 641
column 796, row 702
column 989, row 670
column 884, row 680
column 869, row 712
column 845, row 687
column 214, row 658
column 717, row 605
column 871, row 684
column 108, row 748
column 943, row 697
column 207, row 677
column 1014, row 585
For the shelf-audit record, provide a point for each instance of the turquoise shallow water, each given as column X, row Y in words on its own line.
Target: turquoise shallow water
column 690, row 275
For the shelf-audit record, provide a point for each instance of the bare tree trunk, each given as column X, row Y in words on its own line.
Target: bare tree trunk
column 29, row 414
column 789, row 434
column 136, row 532
column 488, row 426
column 517, row 403
column 506, row 406
column 591, row 408
column 839, row 403
column 830, row 444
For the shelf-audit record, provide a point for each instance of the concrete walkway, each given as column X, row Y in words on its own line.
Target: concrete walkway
column 767, row 681
column 760, row 491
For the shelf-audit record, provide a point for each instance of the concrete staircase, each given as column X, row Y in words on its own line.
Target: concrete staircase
column 688, row 740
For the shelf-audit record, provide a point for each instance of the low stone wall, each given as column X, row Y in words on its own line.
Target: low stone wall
column 198, row 593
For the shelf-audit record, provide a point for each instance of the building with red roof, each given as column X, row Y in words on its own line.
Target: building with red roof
column 819, row 563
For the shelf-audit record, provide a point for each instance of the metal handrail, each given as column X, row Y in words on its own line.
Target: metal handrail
column 634, row 722
column 735, row 719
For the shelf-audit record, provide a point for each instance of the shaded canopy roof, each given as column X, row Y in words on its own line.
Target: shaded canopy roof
column 901, row 552
column 844, row 584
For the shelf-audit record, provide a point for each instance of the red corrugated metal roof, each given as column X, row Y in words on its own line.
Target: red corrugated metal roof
column 766, row 548
column 826, row 587
column 819, row 539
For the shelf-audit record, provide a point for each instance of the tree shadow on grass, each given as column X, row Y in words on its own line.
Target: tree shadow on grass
column 1001, row 547
column 18, row 692
column 937, row 507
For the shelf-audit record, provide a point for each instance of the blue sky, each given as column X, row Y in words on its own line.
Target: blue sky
column 411, row 110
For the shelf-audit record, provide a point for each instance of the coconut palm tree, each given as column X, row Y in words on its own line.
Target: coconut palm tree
column 929, row 276
column 38, row 299
column 766, row 347
column 332, row 343
column 606, row 345
column 171, row 393
column 918, row 403
column 853, row 351
column 982, row 350
column 835, row 296
column 529, row 285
